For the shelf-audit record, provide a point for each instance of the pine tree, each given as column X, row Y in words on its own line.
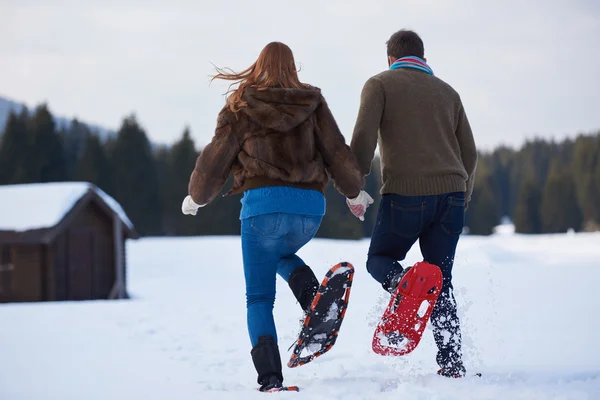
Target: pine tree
column 74, row 139
column 527, row 212
column 597, row 182
column 46, row 161
column 180, row 164
column 501, row 161
column 93, row 165
column 533, row 161
column 483, row 213
column 135, row 177
column 559, row 207
column 584, row 162
column 161, row 156
column 14, row 149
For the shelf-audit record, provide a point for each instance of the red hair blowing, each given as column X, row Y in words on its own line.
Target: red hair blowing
column 275, row 66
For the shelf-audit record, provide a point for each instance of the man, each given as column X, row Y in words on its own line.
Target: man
column 428, row 160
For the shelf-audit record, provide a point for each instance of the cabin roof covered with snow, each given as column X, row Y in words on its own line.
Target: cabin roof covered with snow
column 28, row 209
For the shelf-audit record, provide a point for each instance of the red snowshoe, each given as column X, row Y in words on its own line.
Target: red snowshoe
column 403, row 322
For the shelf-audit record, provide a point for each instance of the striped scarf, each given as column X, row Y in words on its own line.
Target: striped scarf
column 412, row 62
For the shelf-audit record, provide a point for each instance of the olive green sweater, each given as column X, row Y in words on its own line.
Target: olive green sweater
column 424, row 136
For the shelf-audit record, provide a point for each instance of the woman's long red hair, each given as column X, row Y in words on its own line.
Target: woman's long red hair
column 275, row 66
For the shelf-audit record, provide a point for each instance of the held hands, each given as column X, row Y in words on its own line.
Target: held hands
column 189, row 207
column 358, row 206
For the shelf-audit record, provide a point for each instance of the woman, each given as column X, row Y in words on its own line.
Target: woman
column 279, row 140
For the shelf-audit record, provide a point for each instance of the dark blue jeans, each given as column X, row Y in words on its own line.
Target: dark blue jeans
column 436, row 222
column 269, row 246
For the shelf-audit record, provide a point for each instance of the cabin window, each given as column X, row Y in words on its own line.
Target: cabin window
column 6, row 269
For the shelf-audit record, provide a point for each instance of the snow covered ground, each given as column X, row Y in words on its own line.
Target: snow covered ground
column 529, row 308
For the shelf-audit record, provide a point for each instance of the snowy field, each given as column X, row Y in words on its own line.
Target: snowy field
column 529, row 307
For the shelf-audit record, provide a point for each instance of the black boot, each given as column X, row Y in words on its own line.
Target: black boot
column 394, row 279
column 304, row 285
column 456, row 370
column 267, row 361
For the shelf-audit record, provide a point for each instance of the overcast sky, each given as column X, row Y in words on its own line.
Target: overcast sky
column 523, row 68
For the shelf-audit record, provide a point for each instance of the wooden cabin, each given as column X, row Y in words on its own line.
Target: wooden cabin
column 62, row 241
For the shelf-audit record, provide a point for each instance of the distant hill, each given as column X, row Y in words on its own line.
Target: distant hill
column 7, row 105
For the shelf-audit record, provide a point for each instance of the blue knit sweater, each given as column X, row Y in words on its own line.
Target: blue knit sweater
column 282, row 199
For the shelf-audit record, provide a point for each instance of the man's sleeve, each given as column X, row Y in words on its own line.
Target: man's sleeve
column 364, row 138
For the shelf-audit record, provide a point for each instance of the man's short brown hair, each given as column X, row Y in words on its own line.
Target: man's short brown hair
column 405, row 43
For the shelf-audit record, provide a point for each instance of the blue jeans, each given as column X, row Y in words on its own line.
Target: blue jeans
column 269, row 246
column 436, row 222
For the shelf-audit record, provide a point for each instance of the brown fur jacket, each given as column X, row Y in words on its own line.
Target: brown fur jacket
column 283, row 137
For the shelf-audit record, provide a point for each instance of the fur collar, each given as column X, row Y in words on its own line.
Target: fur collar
column 280, row 109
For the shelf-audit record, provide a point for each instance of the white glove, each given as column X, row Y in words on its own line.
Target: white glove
column 189, row 207
column 359, row 204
